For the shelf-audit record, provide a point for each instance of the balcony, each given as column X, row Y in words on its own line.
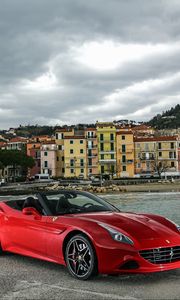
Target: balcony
column 107, row 152
column 107, row 161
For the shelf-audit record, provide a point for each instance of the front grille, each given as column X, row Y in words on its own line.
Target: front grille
column 161, row 255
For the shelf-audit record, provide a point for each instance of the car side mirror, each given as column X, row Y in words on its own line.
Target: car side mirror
column 31, row 211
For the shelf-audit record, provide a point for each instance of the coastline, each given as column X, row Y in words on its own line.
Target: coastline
column 20, row 189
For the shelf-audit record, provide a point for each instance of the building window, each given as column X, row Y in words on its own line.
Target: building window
column 90, row 171
column 160, row 154
column 71, row 142
column 102, row 169
column 112, row 146
column 123, row 137
column 112, row 156
column 82, row 162
column 159, row 146
column 46, row 164
column 160, row 164
column 101, row 147
column 123, row 148
column 56, row 136
column 82, row 170
column 72, row 171
column 62, row 158
column 71, row 151
column 59, row 147
column 172, row 145
column 63, row 170
column 57, row 158
column 138, row 165
column 124, row 168
column 101, row 137
column 123, row 158
column 112, row 169
column 148, row 165
column 89, row 152
column 102, row 156
column 81, row 151
column 81, row 141
column 72, row 162
column 45, row 153
column 90, row 161
column 172, row 164
column 112, row 136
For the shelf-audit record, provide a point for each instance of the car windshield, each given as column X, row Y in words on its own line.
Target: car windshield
column 76, row 202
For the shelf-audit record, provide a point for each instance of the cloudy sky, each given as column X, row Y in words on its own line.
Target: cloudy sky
column 72, row 61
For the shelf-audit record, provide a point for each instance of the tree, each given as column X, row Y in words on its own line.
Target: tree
column 16, row 158
column 159, row 166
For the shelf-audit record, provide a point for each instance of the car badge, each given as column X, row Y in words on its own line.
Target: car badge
column 171, row 253
column 54, row 219
column 168, row 241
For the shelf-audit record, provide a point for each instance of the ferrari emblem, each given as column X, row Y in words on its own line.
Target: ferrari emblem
column 168, row 241
column 54, row 219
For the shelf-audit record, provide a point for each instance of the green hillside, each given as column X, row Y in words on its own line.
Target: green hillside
column 169, row 119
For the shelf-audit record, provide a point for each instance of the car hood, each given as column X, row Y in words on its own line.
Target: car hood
column 136, row 225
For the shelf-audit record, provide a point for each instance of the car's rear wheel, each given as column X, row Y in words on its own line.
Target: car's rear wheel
column 80, row 257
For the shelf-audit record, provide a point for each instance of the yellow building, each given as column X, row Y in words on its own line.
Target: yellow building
column 92, row 151
column 75, row 156
column 59, row 139
column 106, row 135
column 156, row 155
column 125, row 154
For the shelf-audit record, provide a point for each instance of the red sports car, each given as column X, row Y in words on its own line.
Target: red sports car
column 88, row 235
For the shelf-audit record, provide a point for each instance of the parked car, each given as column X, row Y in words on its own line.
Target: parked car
column 88, row 235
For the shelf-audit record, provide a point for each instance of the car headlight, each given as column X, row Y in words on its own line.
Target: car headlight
column 116, row 235
column 177, row 226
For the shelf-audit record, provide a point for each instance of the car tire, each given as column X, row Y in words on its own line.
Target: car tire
column 80, row 257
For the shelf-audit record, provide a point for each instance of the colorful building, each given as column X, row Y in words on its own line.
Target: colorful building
column 75, row 156
column 125, row 153
column 156, row 155
column 49, row 158
column 33, row 150
column 92, row 151
column 106, row 136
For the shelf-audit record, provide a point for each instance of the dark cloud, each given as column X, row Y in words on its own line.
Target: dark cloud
column 42, row 79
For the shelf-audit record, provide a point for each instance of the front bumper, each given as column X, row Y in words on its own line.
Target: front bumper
column 129, row 259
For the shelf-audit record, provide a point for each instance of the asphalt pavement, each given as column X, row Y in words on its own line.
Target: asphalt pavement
column 27, row 278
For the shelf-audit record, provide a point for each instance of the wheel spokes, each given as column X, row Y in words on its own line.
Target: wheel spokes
column 79, row 257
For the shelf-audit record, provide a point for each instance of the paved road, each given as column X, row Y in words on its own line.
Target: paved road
column 27, row 278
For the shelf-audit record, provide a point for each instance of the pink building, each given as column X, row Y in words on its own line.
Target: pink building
column 49, row 158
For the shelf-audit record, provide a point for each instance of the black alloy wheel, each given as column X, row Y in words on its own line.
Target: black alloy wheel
column 80, row 257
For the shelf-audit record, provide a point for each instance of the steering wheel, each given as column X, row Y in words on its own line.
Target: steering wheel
column 88, row 204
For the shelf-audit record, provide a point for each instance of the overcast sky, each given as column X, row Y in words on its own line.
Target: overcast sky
column 74, row 61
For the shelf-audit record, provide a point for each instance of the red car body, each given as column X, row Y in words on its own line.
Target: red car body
column 156, row 240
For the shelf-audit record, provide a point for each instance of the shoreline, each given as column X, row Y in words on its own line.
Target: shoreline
column 18, row 189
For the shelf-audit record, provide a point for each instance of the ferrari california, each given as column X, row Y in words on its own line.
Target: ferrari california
column 88, row 235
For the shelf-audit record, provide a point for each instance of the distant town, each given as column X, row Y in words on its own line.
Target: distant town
column 107, row 149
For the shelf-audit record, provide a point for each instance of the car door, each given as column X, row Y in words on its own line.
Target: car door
column 24, row 233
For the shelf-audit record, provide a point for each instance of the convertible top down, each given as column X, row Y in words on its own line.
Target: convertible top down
column 88, row 235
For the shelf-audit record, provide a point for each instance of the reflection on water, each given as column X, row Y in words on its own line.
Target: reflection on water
column 166, row 204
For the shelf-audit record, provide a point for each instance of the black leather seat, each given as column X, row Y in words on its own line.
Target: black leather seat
column 32, row 202
column 63, row 204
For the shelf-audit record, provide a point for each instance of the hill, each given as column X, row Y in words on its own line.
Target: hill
column 169, row 119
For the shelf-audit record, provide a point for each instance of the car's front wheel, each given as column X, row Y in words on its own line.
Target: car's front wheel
column 80, row 257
